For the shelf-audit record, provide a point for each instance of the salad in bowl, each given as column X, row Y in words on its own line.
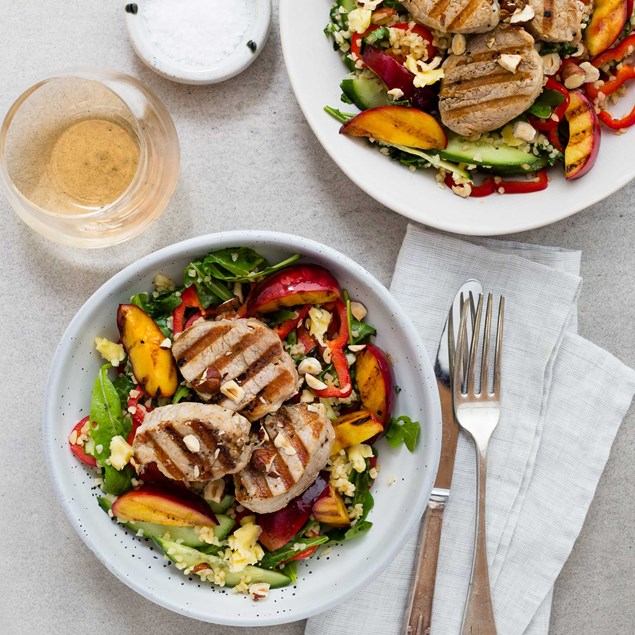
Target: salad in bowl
column 234, row 421
column 488, row 94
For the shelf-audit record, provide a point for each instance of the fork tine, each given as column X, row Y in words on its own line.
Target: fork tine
column 451, row 343
column 461, row 352
column 499, row 347
column 471, row 374
column 484, row 387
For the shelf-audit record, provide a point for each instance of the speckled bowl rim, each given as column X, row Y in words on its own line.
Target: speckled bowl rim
column 403, row 526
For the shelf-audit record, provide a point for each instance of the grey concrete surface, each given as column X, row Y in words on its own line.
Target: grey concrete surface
column 249, row 161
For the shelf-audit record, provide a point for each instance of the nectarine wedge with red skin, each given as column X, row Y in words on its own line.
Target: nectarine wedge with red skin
column 152, row 504
column 153, row 367
column 353, row 428
column 331, row 510
column 606, row 24
column 375, row 383
column 292, row 286
column 280, row 527
column 398, row 125
column 584, row 136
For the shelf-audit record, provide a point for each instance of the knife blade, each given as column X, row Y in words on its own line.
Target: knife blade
column 419, row 607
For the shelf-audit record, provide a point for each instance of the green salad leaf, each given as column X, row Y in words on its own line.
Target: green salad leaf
column 545, row 103
column 342, row 117
column 291, row 570
column 108, row 421
column 123, row 385
column 403, row 430
column 181, row 393
column 360, row 331
column 240, row 264
column 157, row 304
column 118, row 482
column 275, row 558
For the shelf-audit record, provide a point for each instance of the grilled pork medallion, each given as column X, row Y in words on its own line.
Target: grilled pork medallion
column 239, row 364
column 497, row 78
column 295, row 446
column 555, row 20
column 455, row 16
column 193, row 442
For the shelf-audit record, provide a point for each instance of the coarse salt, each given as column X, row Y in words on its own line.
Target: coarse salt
column 196, row 33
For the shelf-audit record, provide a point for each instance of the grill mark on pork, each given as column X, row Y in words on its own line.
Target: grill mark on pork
column 556, row 20
column 165, row 458
column 497, row 79
column 207, row 340
column 242, row 350
column 439, row 9
column 464, row 15
column 245, row 343
column 293, row 437
column 487, row 56
column 301, row 440
column 478, row 94
column 455, row 16
column 219, row 442
column 491, row 103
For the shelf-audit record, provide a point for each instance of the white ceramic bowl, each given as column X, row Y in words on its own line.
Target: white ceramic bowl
column 236, row 62
column 315, row 71
column 322, row 582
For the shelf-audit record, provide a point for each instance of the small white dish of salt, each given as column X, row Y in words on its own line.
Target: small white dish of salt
column 198, row 41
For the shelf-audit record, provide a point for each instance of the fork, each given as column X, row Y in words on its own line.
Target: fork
column 477, row 413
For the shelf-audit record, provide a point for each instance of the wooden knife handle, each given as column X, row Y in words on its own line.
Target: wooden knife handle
column 419, row 608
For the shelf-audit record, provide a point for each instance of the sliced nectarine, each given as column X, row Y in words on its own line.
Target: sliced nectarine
column 375, row 382
column 398, row 125
column 606, row 24
column 152, row 504
column 584, row 136
column 153, row 366
column 298, row 284
column 331, row 510
column 353, row 428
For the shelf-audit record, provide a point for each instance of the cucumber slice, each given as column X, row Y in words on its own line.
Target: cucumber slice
column 188, row 535
column 365, row 93
column 497, row 159
column 223, row 506
column 181, row 554
column 436, row 161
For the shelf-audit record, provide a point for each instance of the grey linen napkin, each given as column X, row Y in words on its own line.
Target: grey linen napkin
column 564, row 399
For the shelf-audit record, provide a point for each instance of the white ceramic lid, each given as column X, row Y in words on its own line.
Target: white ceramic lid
column 171, row 65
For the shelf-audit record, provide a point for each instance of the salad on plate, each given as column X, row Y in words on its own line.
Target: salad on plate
column 488, row 93
column 234, row 422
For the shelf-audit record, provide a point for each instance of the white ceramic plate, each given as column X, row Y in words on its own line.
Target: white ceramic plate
column 315, row 71
column 236, row 62
column 322, row 582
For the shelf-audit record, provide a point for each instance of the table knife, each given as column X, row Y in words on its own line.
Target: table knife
column 419, row 608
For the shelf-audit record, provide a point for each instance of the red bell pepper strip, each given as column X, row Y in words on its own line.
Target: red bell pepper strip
column 139, row 414
column 283, row 329
column 306, row 554
column 623, row 75
column 338, row 357
column 77, row 449
column 421, row 31
column 617, row 53
column 189, row 299
column 617, row 124
column 306, row 339
column 554, row 139
column 490, row 185
column 486, row 188
column 557, row 115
